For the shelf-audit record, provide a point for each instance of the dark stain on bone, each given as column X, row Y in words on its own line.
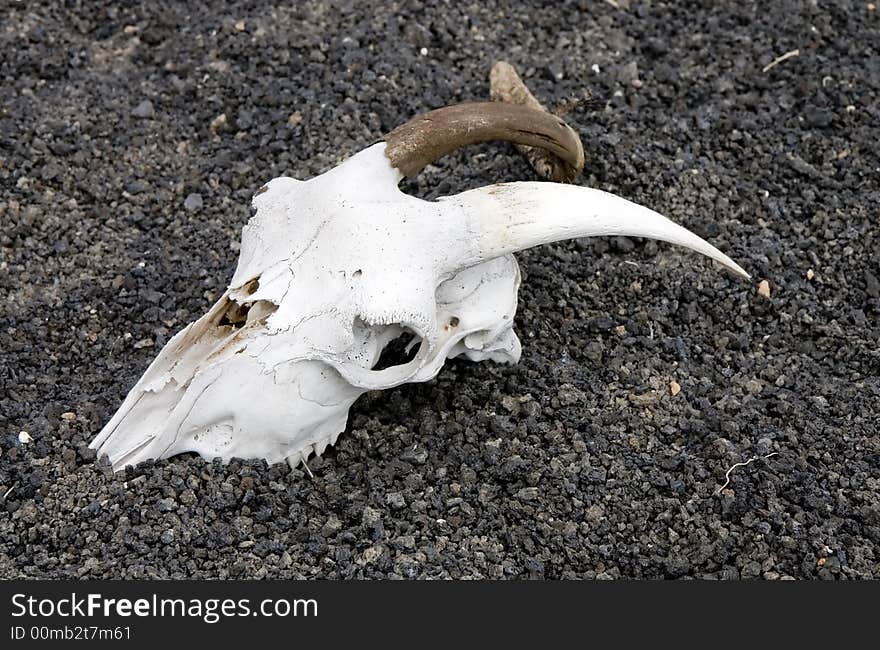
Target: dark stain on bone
column 251, row 287
column 453, row 322
column 261, row 190
column 237, row 315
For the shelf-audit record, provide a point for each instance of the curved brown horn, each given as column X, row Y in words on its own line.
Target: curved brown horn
column 419, row 142
column 505, row 85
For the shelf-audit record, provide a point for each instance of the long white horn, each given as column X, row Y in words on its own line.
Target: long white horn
column 510, row 217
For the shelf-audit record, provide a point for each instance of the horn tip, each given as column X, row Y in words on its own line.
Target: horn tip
column 740, row 271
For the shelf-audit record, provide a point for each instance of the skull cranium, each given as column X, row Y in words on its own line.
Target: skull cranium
column 336, row 269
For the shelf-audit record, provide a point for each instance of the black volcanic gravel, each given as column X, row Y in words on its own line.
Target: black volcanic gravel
column 131, row 141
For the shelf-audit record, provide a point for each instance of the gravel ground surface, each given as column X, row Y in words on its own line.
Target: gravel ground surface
column 131, row 141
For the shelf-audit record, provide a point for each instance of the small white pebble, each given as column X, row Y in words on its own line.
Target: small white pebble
column 764, row 289
column 674, row 388
column 218, row 123
column 424, row 51
column 810, row 274
column 24, row 437
column 595, row 68
column 239, row 26
column 68, row 416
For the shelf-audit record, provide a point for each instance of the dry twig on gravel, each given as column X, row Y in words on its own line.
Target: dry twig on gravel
column 780, row 59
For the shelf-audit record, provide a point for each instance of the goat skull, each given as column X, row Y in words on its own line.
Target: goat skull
column 333, row 269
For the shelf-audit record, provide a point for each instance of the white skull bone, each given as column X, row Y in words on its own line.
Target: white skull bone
column 331, row 271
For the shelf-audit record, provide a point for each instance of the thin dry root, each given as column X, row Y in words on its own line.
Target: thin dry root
column 9, row 491
column 743, row 464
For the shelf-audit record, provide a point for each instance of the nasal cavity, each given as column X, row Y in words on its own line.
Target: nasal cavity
column 399, row 350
